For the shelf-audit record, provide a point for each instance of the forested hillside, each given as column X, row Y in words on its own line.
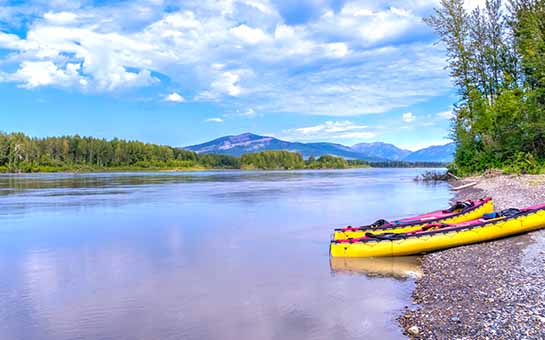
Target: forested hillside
column 20, row 153
column 496, row 57
column 275, row 160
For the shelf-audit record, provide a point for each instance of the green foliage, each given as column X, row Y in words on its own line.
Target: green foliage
column 219, row 161
column 20, row 153
column 356, row 163
column 523, row 163
column 326, row 162
column 497, row 61
column 272, row 160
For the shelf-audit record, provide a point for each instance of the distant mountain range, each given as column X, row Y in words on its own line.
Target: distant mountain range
column 381, row 150
column 439, row 153
column 375, row 152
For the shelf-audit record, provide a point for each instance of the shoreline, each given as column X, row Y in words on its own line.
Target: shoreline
column 193, row 169
column 488, row 290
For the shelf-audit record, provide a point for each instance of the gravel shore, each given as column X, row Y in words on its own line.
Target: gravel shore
column 493, row 290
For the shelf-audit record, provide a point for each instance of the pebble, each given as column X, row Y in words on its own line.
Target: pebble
column 491, row 290
column 413, row 330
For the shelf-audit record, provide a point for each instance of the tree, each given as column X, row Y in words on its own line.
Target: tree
column 497, row 62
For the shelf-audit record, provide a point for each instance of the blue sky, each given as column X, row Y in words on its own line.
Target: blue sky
column 184, row 72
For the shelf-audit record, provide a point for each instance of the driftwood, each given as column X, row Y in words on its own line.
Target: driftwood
column 468, row 185
column 453, row 176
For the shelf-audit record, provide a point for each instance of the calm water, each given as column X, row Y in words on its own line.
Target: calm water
column 211, row 255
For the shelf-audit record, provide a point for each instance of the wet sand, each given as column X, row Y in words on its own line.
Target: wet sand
column 493, row 290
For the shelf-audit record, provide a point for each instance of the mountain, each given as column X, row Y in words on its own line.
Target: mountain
column 436, row 153
column 320, row 149
column 381, row 150
column 248, row 143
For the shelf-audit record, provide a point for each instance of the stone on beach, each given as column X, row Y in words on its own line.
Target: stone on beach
column 490, row 290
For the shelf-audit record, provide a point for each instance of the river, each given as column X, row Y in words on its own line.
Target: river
column 199, row 255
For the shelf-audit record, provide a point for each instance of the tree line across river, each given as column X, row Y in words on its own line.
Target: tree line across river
column 20, row 153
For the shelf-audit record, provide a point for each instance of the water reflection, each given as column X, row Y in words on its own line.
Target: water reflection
column 225, row 255
column 396, row 267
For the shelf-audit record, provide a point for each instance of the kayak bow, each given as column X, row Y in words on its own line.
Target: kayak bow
column 459, row 212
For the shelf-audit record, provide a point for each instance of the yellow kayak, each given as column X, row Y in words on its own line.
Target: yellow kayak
column 459, row 212
column 438, row 236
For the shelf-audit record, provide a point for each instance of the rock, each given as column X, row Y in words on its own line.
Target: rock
column 490, row 290
column 413, row 330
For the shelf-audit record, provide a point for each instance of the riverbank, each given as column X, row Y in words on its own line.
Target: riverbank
column 88, row 169
column 491, row 290
column 84, row 170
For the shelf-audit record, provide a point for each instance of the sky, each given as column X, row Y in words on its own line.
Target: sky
column 185, row 72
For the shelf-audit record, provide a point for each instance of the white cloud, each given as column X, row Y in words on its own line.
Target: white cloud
column 329, row 130
column 338, row 50
column 227, row 83
column 361, row 22
column 205, row 96
column 181, row 20
column 108, row 61
column 10, row 41
column 214, row 120
column 331, row 127
column 246, row 113
column 446, row 114
column 419, row 146
column 248, row 35
column 263, row 6
column 40, row 73
column 408, row 117
column 239, row 53
column 362, row 85
column 60, row 18
column 249, row 113
column 175, row 98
